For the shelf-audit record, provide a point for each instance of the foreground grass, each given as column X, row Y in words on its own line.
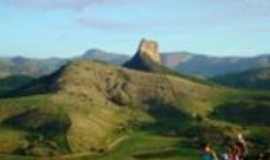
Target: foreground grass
column 139, row 145
column 146, row 146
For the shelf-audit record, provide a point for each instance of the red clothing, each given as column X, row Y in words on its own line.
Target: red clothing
column 234, row 157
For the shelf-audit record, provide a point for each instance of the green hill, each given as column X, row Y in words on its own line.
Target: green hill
column 95, row 110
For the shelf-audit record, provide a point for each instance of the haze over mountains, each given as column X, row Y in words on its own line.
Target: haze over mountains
column 209, row 66
column 98, row 54
column 28, row 66
column 182, row 62
column 18, row 71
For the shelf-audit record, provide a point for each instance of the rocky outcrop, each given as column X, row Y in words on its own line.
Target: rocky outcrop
column 150, row 49
column 147, row 57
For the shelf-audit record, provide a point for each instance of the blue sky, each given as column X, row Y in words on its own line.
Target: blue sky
column 65, row 28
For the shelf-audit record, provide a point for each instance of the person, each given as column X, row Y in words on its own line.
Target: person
column 241, row 144
column 235, row 152
column 226, row 155
column 209, row 153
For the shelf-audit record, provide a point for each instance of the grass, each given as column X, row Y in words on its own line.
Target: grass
column 149, row 146
column 14, row 157
column 11, row 139
column 143, row 145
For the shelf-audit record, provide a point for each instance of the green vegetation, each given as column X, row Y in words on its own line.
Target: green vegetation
column 143, row 145
column 97, row 111
column 258, row 78
column 13, row 82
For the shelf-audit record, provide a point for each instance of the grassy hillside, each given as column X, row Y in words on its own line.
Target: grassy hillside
column 92, row 110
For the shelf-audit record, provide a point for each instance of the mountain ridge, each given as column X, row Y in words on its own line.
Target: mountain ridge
column 183, row 62
column 257, row 78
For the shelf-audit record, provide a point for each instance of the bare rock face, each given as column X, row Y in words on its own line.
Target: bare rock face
column 150, row 49
column 147, row 57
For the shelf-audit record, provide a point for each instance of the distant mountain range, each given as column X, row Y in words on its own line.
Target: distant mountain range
column 182, row 62
column 38, row 67
column 258, row 78
column 28, row 66
column 210, row 66
column 97, row 54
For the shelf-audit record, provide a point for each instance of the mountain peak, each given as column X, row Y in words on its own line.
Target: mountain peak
column 102, row 55
column 94, row 51
column 147, row 57
column 150, row 49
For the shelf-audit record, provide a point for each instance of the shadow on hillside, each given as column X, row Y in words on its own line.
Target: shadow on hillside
column 244, row 113
column 12, row 82
column 46, row 132
column 172, row 122
column 43, row 85
column 169, row 120
column 38, row 121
